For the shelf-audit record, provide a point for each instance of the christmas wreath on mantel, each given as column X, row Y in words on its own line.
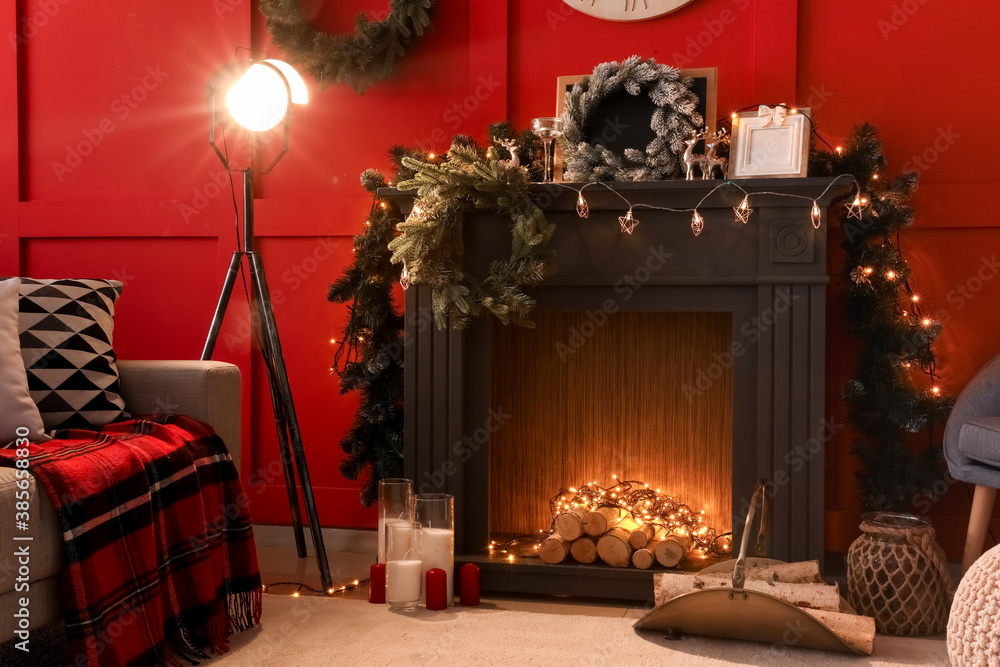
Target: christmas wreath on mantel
column 362, row 59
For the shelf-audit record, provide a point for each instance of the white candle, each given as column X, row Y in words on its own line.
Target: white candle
column 403, row 579
column 381, row 535
column 438, row 550
column 398, row 540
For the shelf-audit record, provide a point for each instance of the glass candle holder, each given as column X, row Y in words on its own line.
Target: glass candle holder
column 395, row 504
column 547, row 129
column 404, row 570
column 436, row 514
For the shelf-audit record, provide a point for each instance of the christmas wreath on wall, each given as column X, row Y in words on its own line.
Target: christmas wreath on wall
column 674, row 119
column 362, row 59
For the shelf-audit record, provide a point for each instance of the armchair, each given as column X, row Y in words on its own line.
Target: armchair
column 972, row 450
column 208, row 391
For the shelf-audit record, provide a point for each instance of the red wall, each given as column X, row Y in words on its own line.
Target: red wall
column 125, row 85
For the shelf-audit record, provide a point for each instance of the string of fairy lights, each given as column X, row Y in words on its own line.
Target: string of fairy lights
column 635, row 500
column 742, row 211
column 301, row 589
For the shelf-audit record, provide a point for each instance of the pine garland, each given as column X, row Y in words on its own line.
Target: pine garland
column 674, row 120
column 362, row 59
column 883, row 403
column 369, row 359
column 430, row 240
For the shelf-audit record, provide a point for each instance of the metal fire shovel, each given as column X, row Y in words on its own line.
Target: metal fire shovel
column 742, row 614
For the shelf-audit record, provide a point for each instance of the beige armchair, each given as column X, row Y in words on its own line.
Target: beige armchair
column 209, row 391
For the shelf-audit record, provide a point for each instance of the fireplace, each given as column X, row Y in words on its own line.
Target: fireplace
column 705, row 352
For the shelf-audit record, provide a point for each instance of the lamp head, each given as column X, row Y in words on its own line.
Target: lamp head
column 258, row 94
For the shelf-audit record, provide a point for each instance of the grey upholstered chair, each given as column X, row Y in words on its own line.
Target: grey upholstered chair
column 972, row 450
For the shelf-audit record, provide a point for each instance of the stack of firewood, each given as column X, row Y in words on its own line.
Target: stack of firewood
column 614, row 537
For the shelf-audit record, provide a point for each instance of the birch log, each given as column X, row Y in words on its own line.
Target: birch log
column 569, row 524
column 857, row 631
column 643, row 559
column 671, row 549
column 601, row 520
column 641, row 535
column 553, row 549
column 614, row 547
column 668, row 585
column 804, row 572
column 584, row 549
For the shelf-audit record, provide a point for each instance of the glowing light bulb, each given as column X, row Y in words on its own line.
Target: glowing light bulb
column 431, row 156
column 259, row 100
column 936, row 390
column 697, row 223
column 926, row 322
column 890, row 275
column 329, row 591
column 914, row 298
column 839, row 149
column 816, row 215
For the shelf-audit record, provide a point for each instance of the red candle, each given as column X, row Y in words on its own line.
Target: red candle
column 436, row 587
column 376, row 588
column 469, row 585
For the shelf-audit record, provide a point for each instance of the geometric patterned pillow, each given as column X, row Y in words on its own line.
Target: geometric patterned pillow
column 65, row 329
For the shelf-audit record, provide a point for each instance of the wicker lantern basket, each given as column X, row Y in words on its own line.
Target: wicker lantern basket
column 897, row 573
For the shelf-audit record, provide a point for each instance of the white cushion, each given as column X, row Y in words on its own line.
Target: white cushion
column 16, row 407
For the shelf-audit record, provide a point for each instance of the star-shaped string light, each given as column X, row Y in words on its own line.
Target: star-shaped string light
column 854, row 208
column 697, row 223
column 627, row 222
column 743, row 211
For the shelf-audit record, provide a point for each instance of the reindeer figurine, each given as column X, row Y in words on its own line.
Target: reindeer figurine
column 709, row 161
column 690, row 159
column 511, row 146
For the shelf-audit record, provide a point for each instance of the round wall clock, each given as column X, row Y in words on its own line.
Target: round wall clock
column 626, row 10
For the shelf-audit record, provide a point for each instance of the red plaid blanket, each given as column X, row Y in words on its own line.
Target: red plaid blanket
column 160, row 556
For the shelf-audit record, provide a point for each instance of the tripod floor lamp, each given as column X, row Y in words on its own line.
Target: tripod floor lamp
column 257, row 95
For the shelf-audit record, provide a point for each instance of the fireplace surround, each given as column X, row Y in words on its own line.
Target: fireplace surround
column 768, row 277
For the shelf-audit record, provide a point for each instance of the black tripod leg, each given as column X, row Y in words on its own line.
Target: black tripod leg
column 270, row 330
column 280, row 418
column 220, row 309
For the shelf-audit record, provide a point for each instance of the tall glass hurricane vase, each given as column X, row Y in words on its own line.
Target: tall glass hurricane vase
column 395, row 504
column 436, row 514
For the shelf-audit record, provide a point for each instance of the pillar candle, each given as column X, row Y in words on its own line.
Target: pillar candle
column 403, row 583
column 398, row 537
column 438, row 551
column 376, row 584
column 468, row 589
column 436, row 589
column 383, row 526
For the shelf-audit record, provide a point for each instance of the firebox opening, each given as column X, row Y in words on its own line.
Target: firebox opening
column 644, row 395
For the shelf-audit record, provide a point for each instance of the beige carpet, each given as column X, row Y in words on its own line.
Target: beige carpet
column 308, row 631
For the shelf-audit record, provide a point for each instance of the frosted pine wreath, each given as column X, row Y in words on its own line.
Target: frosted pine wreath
column 674, row 119
column 430, row 238
column 362, row 59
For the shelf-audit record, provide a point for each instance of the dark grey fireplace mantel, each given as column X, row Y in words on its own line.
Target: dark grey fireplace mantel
column 770, row 274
